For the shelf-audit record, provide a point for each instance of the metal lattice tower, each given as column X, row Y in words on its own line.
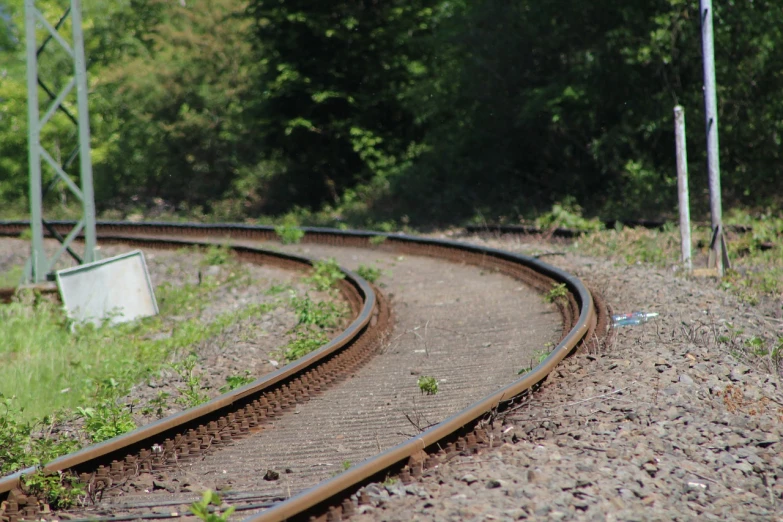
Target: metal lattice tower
column 40, row 265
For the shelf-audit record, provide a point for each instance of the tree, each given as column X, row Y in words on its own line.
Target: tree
column 177, row 118
column 538, row 101
column 336, row 76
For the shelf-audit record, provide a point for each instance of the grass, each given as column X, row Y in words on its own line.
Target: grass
column 11, row 277
column 51, row 363
column 756, row 256
column 635, row 245
column 47, row 367
column 56, row 370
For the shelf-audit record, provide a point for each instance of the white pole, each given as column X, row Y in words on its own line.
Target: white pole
column 682, row 187
column 711, row 113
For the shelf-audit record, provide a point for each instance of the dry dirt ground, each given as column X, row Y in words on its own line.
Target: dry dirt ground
column 673, row 422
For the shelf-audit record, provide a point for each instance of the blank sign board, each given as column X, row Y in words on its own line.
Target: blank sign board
column 113, row 290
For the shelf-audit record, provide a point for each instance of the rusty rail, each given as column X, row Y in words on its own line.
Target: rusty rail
column 582, row 323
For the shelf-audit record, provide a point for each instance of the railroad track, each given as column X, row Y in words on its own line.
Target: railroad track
column 214, row 430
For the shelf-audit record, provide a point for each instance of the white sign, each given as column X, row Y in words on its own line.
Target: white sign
column 114, row 290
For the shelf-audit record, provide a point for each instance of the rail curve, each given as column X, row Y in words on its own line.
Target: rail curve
column 232, row 415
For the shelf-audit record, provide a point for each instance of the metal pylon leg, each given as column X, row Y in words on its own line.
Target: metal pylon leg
column 40, row 264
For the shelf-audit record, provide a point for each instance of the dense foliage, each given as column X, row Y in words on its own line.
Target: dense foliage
column 434, row 110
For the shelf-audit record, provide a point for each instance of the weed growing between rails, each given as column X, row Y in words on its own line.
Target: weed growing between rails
column 428, row 385
column 559, row 291
column 204, row 512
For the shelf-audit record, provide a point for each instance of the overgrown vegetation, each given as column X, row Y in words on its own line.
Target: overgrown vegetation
column 12, row 277
column 62, row 371
column 58, row 489
column 755, row 244
column 567, row 214
column 23, row 442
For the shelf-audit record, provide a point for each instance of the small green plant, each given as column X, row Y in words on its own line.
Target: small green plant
column 216, row 255
column 277, row 289
column 370, row 273
column 377, row 240
column 558, row 291
column 539, row 356
column 568, row 214
column 59, row 490
column 108, row 418
column 289, row 233
column 324, row 314
column 157, row 405
column 306, row 341
column 202, row 509
column 192, row 394
column 346, row 464
column 389, row 481
column 325, row 274
column 235, row 381
column 428, row 385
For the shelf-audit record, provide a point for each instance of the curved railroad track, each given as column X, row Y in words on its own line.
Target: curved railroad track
column 227, row 429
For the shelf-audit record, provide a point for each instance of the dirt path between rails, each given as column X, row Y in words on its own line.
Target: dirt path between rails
column 667, row 425
column 470, row 330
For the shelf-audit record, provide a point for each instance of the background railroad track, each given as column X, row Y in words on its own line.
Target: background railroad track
column 197, row 435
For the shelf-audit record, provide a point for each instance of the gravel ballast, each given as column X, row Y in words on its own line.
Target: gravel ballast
column 672, row 422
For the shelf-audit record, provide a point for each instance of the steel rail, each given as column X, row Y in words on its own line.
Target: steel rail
column 117, row 445
column 580, row 316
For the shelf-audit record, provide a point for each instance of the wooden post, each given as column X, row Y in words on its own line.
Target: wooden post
column 682, row 187
column 717, row 253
